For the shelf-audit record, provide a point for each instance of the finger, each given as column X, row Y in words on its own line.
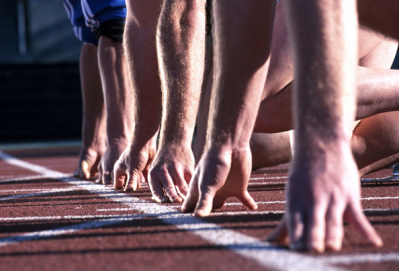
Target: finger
column 106, row 178
column 180, row 183
column 131, row 182
column 334, row 228
column 205, row 201
column 248, row 201
column 169, row 188
column 296, row 229
column 156, row 190
column 192, row 196
column 359, row 221
column 85, row 172
column 280, row 234
column 120, row 178
column 314, row 234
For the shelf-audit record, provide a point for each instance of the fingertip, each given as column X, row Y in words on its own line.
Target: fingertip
column 316, row 246
column 201, row 212
column 333, row 245
column 85, row 169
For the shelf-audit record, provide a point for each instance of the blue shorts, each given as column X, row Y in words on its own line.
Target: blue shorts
column 87, row 16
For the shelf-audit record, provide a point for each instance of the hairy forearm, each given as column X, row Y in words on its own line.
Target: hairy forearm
column 92, row 96
column 141, row 58
column 240, row 73
column 181, row 53
column 324, row 100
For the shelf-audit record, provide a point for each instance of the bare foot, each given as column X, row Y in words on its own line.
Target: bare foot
column 112, row 153
column 133, row 166
column 321, row 194
column 218, row 176
column 170, row 172
column 89, row 159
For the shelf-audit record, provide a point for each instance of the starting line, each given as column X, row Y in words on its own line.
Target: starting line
column 263, row 253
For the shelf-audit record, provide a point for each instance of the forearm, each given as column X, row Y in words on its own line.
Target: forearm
column 181, row 52
column 140, row 53
column 117, row 93
column 92, row 96
column 325, row 45
column 240, row 74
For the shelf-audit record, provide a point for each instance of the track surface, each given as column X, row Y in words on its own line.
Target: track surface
column 51, row 221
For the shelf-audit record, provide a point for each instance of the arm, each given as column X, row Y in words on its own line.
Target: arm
column 323, row 185
column 181, row 52
column 133, row 165
column 241, row 28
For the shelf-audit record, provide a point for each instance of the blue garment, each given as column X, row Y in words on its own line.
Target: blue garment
column 87, row 15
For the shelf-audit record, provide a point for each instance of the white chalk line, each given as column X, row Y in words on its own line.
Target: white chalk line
column 335, row 260
column 263, row 253
column 361, row 258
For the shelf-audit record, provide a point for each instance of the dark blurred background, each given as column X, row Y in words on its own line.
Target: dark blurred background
column 39, row 73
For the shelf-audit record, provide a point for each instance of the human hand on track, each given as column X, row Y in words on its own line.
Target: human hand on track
column 321, row 194
column 218, row 176
column 170, row 172
column 133, row 165
column 112, row 153
column 89, row 159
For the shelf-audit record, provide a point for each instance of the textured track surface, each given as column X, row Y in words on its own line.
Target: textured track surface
column 51, row 221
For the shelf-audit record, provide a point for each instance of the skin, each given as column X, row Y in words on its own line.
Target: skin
column 181, row 53
column 323, row 226
column 323, row 185
column 133, row 165
column 118, row 103
column 180, row 40
column 224, row 168
column 93, row 129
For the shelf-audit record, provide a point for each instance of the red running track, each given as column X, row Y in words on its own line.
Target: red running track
column 51, row 221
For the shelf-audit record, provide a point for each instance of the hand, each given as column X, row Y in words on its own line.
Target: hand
column 111, row 155
column 89, row 158
column 218, row 176
column 133, row 165
column 320, row 195
column 171, row 170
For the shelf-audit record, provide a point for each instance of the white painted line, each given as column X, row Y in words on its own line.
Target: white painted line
column 224, row 213
column 39, row 190
column 263, row 253
column 362, row 258
column 268, row 178
column 379, row 198
column 66, row 217
column 32, row 167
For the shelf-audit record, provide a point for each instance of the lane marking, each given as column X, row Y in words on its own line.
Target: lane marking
column 65, row 217
column 263, row 253
column 32, row 167
column 268, row 178
column 362, row 258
